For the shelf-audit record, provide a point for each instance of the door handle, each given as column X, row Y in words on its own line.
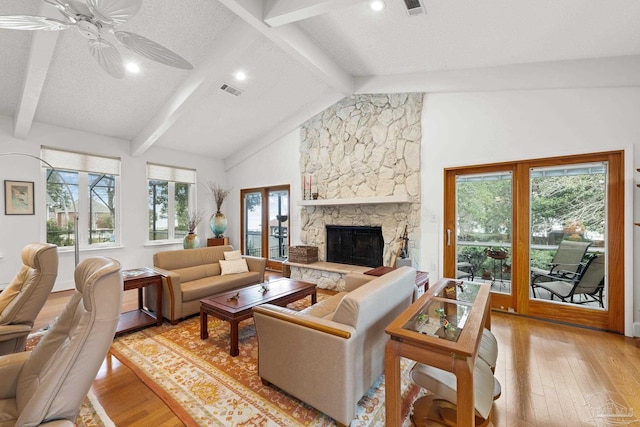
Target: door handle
column 448, row 237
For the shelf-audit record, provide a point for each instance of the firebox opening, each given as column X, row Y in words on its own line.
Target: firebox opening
column 355, row 245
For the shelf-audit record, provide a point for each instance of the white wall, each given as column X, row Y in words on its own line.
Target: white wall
column 487, row 127
column 277, row 164
column 17, row 231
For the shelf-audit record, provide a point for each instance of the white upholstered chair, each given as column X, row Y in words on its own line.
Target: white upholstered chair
column 48, row 385
column 25, row 296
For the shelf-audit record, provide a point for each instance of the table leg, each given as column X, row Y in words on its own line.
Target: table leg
column 140, row 304
column 159, row 303
column 204, row 326
column 235, row 350
column 393, row 399
column 464, row 383
column 314, row 297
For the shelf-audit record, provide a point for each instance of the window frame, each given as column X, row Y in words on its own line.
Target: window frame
column 172, row 175
column 84, row 164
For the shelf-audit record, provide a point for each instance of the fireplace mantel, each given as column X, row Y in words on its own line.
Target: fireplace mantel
column 356, row 201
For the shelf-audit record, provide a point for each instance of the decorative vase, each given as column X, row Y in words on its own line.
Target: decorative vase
column 191, row 241
column 218, row 224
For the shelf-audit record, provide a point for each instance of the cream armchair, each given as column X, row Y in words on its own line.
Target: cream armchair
column 48, row 384
column 329, row 354
column 25, row 296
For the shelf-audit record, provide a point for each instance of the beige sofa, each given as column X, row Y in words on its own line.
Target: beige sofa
column 329, row 354
column 193, row 274
column 353, row 280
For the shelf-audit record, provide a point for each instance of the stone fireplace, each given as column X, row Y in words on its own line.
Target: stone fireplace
column 364, row 156
column 355, row 245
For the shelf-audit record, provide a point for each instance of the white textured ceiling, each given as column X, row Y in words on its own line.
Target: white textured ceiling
column 313, row 53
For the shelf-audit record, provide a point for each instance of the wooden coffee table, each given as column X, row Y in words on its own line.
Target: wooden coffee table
column 236, row 306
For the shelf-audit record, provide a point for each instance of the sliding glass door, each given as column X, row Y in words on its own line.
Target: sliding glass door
column 546, row 234
column 568, row 207
column 482, row 232
column 265, row 224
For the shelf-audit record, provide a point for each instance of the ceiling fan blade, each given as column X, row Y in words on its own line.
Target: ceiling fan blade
column 78, row 6
column 26, row 22
column 107, row 56
column 152, row 50
column 114, row 12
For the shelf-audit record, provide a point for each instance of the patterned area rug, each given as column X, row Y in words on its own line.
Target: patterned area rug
column 204, row 385
column 92, row 414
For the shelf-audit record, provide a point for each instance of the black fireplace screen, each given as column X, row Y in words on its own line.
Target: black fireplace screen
column 355, row 245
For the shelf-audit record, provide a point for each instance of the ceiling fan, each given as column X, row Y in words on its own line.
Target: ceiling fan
column 94, row 19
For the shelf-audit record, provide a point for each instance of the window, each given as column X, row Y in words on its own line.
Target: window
column 171, row 196
column 81, row 187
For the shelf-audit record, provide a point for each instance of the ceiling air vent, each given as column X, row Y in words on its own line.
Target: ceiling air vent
column 414, row 7
column 232, row 90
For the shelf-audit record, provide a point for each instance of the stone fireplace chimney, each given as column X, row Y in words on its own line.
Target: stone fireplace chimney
column 364, row 148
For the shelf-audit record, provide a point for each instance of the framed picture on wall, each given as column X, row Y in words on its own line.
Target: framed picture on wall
column 18, row 198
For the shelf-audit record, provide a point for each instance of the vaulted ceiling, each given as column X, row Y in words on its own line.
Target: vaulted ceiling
column 301, row 56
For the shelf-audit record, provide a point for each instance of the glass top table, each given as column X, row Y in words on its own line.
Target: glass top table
column 445, row 315
column 442, row 328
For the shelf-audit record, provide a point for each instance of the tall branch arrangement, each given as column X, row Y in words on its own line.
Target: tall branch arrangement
column 193, row 219
column 219, row 194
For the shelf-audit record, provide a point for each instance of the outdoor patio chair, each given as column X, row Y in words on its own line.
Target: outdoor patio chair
column 581, row 288
column 464, row 270
column 566, row 262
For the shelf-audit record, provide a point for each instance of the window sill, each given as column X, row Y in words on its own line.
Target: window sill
column 71, row 249
column 163, row 243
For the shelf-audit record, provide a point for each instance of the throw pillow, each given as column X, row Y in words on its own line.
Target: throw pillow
column 232, row 255
column 234, row 266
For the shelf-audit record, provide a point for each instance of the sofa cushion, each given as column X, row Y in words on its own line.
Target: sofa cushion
column 231, row 255
column 180, row 258
column 208, row 286
column 213, row 254
column 188, row 274
column 360, row 308
column 212, row 269
column 234, row 266
column 325, row 308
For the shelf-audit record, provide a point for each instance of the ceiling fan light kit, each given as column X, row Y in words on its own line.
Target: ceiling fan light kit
column 94, row 20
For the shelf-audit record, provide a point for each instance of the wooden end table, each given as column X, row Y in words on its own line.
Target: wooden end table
column 237, row 305
column 140, row 278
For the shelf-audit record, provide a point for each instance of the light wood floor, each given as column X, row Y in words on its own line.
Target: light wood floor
column 547, row 372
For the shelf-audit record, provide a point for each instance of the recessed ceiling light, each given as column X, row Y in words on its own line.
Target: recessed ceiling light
column 240, row 75
column 132, row 67
column 377, row 5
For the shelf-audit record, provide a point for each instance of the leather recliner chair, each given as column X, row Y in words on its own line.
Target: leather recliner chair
column 49, row 384
column 25, row 296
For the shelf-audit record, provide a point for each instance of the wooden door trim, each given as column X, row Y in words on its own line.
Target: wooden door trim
column 264, row 238
column 613, row 318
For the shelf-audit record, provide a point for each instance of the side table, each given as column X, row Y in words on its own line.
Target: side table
column 217, row 241
column 140, row 278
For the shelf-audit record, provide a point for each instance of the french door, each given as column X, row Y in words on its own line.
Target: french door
column 517, row 225
column 265, row 224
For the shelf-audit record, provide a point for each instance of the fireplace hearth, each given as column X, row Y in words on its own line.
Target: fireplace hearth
column 355, row 245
